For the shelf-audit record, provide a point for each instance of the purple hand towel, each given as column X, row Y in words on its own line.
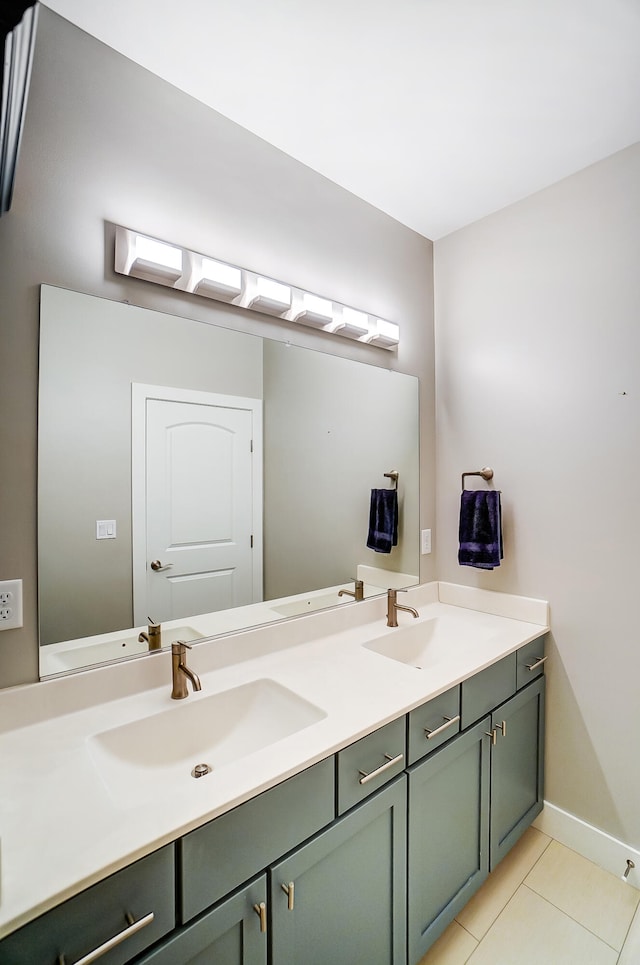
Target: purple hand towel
column 480, row 529
column 383, row 520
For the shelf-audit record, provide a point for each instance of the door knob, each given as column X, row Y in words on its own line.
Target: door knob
column 157, row 565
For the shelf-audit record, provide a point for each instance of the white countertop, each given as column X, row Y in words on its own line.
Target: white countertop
column 60, row 828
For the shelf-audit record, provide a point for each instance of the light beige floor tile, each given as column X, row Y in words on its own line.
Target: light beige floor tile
column 631, row 949
column 480, row 913
column 452, row 948
column 530, row 931
column 595, row 898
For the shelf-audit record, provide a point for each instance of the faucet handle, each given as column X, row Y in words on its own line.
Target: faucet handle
column 178, row 645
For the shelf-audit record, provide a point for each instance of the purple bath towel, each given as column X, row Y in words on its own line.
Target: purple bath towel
column 480, row 529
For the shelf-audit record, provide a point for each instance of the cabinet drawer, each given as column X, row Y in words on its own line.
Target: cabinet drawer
column 369, row 763
column 433, row 724
column 484, row 691
column 84, row 923
column 233, row 848
column 529, row 665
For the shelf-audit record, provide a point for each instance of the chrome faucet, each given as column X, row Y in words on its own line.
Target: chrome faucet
column 180, row 673
column 153, row 636
column 357, row 593
column 393, row 606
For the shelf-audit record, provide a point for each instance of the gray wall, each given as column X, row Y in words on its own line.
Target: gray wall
column 105, row 142
column 332, row 429
column 537, row 342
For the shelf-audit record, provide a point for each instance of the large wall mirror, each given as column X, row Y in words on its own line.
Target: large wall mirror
column 205, row 479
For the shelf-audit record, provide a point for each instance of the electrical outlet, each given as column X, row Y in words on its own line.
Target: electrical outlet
column 425, row 541
column 10, row 604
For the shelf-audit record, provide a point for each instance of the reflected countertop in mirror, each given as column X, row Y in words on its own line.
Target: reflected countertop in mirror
column 327, row 430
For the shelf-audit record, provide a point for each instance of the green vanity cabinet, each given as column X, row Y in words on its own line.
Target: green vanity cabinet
column 341, row 898
column 448, row 835
column 232, row 933
column 365, row 856
column 517, row 767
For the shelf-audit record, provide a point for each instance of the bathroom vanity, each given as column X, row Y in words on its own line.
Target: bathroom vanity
column 416, row 765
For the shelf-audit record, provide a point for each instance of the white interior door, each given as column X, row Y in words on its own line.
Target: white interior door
column 201, row 514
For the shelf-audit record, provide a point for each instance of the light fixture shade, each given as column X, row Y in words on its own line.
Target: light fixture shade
column 315, row 311
column 352, row 323
column 147, row 258
column 270, row 296
column 218, row 280
column 385, row 334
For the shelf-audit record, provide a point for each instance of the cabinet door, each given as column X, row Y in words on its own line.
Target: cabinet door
column 517, row 772
column 345, row 898
column 233, row 933
column 448, row 854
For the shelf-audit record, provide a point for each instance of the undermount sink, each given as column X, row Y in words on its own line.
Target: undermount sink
column 156, row 755
column 430, row 641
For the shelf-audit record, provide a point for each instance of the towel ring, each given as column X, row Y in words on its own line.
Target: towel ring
column 393, row 475
column 486, row 473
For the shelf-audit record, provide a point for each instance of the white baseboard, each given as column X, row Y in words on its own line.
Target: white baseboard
column 590, row 842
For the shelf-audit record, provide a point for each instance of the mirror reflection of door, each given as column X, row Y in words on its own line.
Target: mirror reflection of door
column 195, row 485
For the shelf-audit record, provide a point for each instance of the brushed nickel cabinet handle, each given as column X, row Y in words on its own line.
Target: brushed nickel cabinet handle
column 390, row 761
column 492, row 735
column 534, row 666
column 448, row 721
column 289, row 892
column 132, row 928
column 261, row 912
column 503, row 727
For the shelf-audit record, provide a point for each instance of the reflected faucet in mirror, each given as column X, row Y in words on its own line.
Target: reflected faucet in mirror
column 393, row 606
column 180, row 673
column 357, row 593
column 153, row 635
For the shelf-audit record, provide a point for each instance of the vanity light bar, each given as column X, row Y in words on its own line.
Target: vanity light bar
column 142, row 256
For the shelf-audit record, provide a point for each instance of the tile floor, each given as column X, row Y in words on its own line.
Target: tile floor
column 544, row 905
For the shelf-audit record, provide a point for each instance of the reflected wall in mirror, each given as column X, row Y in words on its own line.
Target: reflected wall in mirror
column 331, row 428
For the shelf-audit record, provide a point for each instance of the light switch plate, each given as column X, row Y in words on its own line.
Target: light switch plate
column 105, row 529
column 10, row 604
column 425, row 541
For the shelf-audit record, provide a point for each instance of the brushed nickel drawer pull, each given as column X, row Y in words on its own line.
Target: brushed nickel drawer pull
column 261, row 912
column 132, row 928
column 390, row 762
column 289, row 892
column 448, row 722
column 534, row 666
column 492, row 735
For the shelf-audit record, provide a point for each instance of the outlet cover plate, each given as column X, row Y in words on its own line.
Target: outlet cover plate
column 10, row 604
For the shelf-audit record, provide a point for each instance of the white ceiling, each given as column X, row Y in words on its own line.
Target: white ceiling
column 435, row 111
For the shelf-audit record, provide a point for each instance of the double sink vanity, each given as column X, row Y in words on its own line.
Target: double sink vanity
column 336, row 791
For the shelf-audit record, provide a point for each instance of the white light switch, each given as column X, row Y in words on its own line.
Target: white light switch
column 105, row 529
column 425, row 541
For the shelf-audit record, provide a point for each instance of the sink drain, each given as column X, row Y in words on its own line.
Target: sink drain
column 200, row 770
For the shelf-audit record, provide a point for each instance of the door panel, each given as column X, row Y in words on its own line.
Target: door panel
column 517, row 789
column 349, row 889
column 199, row 506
